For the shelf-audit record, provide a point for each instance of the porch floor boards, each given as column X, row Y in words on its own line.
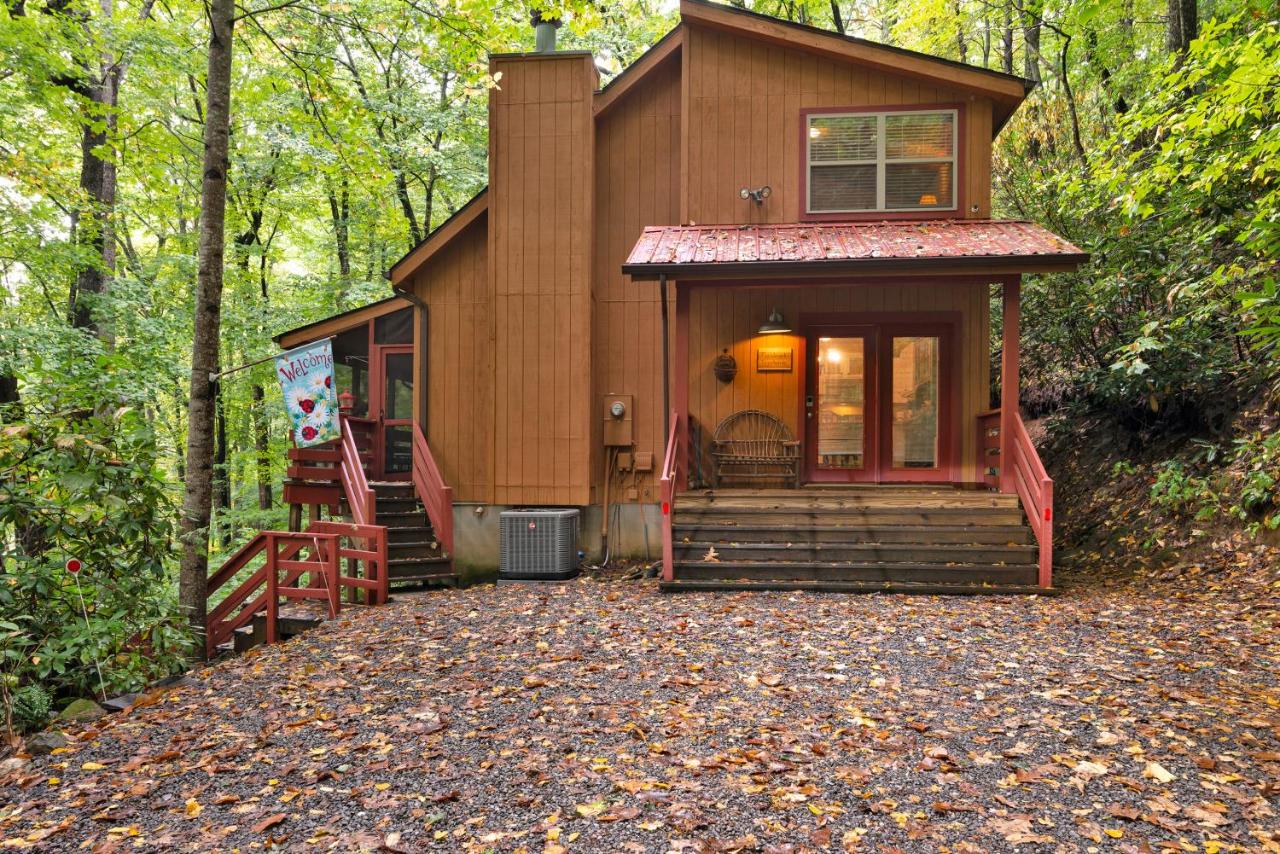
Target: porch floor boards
column 853, row 538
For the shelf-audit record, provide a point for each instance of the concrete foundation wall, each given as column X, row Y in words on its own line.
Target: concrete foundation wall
column 635, row 533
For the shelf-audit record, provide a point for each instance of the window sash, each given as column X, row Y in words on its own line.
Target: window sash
column 881, row 160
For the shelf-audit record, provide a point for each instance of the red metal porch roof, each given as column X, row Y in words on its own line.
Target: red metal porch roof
column 710, row 251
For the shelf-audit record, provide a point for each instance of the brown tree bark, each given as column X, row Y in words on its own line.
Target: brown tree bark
column 1032, row 10
column 193, row 575
column 1006, row 37
column 1182, row 25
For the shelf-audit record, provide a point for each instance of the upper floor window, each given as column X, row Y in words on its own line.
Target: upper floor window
column 894, row 161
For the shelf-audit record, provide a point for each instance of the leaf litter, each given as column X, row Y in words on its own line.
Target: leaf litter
column 608, row 717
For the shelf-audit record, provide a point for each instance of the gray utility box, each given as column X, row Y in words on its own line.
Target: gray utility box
column 538, row 544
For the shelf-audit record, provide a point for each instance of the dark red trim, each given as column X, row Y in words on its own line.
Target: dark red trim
column 879, row 328
column 377, row 404
column 932, row 213
column 680, row 364
column 999, row 264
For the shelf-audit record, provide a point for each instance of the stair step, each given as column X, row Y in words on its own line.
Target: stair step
column 416, row 519
column 794, row 517
column 399, row 505
column 420, row 548
column 711, row 530
column 851, row 498
column 447, row 579
column 845, row 571
column 910, row 587
column 392, row 489
column 399, row 569
column 857, row 552
column 410, row 534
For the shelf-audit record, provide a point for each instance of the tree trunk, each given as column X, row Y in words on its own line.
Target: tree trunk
column 193, row 576
column 961, row 49
column 837, row 20
column 340, row 213
column 1031, row 12
column 98, row 183
column 221, row 471
column 1181, row 27
column 1006, row 37
column 262, row 445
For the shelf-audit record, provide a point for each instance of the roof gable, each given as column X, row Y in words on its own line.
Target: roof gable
column 1006, row 91
column 438, row 239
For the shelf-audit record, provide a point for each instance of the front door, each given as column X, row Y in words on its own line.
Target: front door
column 392, row 404
column 878, row 403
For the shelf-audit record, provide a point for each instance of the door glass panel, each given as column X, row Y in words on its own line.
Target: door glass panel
column 399, row 449
column 398, row 400
column 841, row 402
column 914, row 403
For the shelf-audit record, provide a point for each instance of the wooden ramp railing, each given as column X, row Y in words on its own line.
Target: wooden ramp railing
column 433, row 492
column 1030, row 480
column 333, row 555
column 667, row 495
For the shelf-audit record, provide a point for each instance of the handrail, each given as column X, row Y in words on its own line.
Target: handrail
column 281, row 550
column 1031, row 482
column 360, row 497
column 667, row 495
column 434, row 493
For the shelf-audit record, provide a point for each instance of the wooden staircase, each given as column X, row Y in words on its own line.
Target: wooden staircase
column 415, row 553
column 924, row 539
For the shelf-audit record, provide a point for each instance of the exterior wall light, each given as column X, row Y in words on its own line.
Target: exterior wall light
column 774, row 325
column 757, row 195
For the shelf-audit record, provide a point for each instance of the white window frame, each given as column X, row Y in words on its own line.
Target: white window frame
column 880, row 161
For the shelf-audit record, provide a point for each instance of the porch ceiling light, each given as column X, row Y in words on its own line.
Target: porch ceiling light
column 774, row 325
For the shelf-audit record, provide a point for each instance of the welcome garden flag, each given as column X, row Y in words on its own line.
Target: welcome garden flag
column 306, row 380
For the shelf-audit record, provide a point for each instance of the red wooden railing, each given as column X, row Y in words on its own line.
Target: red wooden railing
column 667, row 495
column 360, row 497
column 434, row 493
column 321, row 472
column 318, row 552
column 1030, row 480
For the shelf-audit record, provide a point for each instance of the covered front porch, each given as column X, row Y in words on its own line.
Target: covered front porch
column 833, row 374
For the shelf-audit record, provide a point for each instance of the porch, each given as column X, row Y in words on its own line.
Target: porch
column 865, row 351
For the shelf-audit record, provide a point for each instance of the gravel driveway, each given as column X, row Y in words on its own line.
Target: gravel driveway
column 607, row 717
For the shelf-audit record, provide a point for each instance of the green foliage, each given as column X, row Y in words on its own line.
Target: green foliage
column 1177, row 490
column 31, row 707
column 78, row 478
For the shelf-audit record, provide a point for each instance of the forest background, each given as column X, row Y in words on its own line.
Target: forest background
column 1152, row 140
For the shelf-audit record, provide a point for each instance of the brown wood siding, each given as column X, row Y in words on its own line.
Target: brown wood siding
column 459, row 363
column 540, row 214
column 723, row 318
column 747, row 96
column 637, row 184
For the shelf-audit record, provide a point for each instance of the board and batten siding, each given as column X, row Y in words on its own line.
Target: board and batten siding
column 747, row 96
column 725, row 318
column 541, row 163
column 459, row 356
column 637, row 184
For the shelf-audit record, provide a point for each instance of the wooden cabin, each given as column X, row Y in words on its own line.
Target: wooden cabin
column 737, row 306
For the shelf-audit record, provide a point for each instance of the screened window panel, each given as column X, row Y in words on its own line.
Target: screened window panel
column 842, row 138
column 917, row 185
column 842, row 188
column 916, row 135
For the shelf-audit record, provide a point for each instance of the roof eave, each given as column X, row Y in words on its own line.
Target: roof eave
column 1004, row 264
column 438, row 239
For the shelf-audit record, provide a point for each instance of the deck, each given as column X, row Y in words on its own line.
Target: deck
column 853, row 538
